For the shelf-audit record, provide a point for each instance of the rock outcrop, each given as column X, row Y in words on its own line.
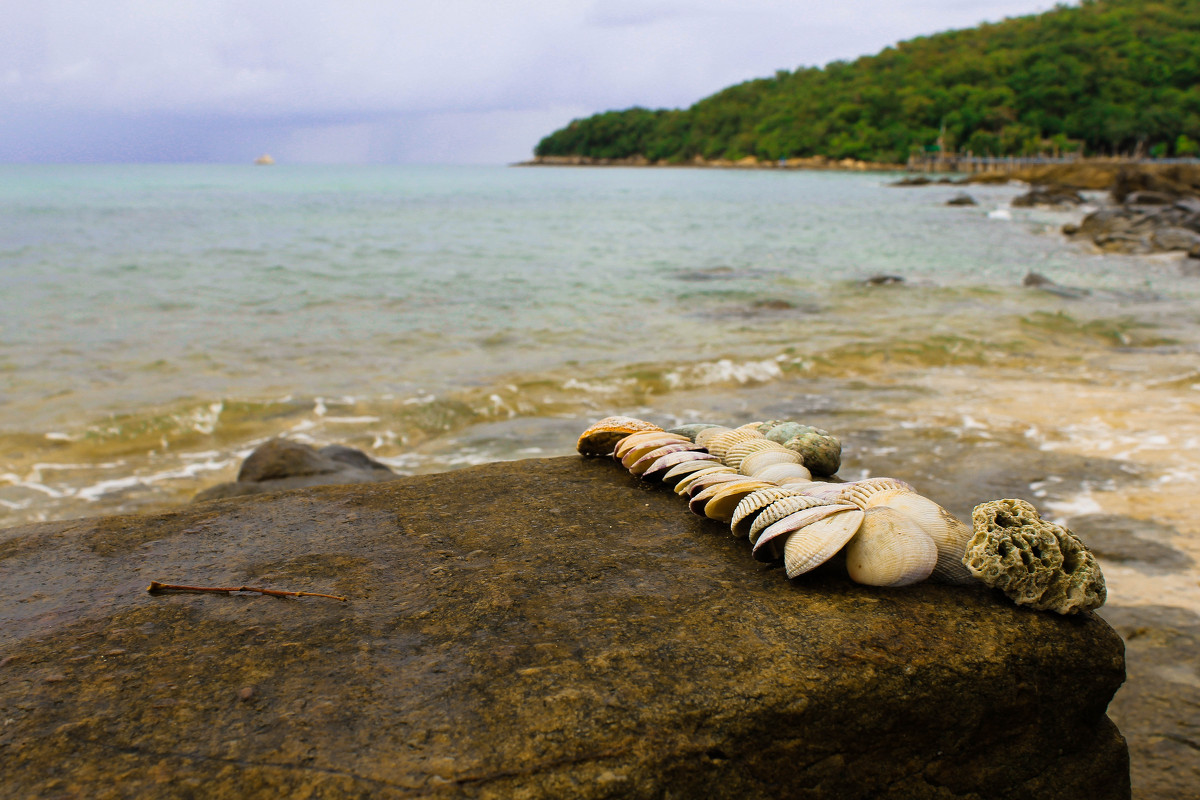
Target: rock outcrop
column 1141, row 229
column 285, row 464
column 535, row 629
column 1048, row 196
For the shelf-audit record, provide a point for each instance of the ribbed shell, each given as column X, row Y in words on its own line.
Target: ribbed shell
column 644, row 463
column 890, row 549
column 769, row 544
column 779, row 509
column 949, row 535
column 817, row 542
column 703, row 482
column 690, row 430
column 645, row 442
column 762, row 458
column 737, row 453
column 603, row 435
column 727, row 497
column 705, row 435
column 684, row 487
column 675, row 474
column 719, row 445
column 860, row 492
column 660, row 468
column 743, row 516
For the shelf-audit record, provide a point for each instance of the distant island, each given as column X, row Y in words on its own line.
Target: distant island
column 1106, row 77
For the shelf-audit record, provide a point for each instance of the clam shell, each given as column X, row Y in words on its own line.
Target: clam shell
column 684, row 486
column 703, row 482
column 728, row 496
column 769, row 545
column 949, row 535
column 890, row 549
column 659, row 469
column 719, row 445
column 685, row 467
column 736, row 454
column 602, row 436
column 704, row 436
column 754, row 462
column 644, row 463
column 817, row 542
column 646, row 442
column 690, row 430
column 750, row 506
column 778, row 509
column 860, row 492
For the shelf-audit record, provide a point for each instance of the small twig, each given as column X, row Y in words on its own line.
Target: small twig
column 155, row 586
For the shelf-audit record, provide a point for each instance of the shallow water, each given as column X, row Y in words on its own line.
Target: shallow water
column 159, row 322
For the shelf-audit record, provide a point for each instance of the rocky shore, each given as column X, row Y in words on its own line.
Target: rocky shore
column 749, row 162
column 543, row 628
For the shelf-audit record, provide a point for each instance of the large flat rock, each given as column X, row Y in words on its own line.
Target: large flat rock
column 538, row 629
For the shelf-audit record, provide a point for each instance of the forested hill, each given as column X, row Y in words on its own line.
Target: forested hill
column 1108, row 76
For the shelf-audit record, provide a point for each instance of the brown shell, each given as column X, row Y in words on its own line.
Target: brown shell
column 665, row 463
column 722, row 504
column 602, row 436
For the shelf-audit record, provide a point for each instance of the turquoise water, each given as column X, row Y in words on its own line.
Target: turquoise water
column 158, row 321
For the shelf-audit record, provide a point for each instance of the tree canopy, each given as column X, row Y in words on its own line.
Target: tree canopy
column 1106, row 76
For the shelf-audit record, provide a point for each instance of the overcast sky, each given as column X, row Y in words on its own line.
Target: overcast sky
column 387, row 81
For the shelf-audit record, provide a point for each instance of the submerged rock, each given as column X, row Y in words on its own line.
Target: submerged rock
column 1048, row 196
column 1035, row 562
column 535, row 629
column 962, row 199
column 284, row 464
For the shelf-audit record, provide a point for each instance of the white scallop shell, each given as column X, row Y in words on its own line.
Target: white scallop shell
column 760, row 459
column 769, row 545
column 948, row 533
column 727, row 497
column 778, row 509
column 688, row 466
column 858, row 492
column 890, row 549
column 818, row 541
column 703, row 437
column 719, row 445
column 751, row 504
column 736, row 454
column 684, row 487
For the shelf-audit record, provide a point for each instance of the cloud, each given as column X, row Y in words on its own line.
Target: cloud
column 354, row 77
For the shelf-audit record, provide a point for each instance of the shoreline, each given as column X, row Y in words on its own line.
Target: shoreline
column 749, row 162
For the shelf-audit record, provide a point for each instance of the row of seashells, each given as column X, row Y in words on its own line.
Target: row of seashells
column 759, row 479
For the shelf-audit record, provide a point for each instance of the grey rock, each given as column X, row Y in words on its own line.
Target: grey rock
column 282, row 464
column 962, row 199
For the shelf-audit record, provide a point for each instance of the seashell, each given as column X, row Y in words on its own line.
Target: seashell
column 646, row 441
column 685, row 467
column 817, row 542
column 644, row 463
column 890, row 549
column 770, row 543
column 602, row 436
column 659, row 469
column 781, row 430
column 781, row 473
column 750, row 506
column 821, row 451
column 1035, row 562
column 760, row 459
column 738, row 452
column 749, row 426
column 705, row 435
column 949, row 534
column 779, row 509
column 719, row 444
column 727, row 497
column 690, row 430
column 858, row 492
column 684, row 486
column 701, row 483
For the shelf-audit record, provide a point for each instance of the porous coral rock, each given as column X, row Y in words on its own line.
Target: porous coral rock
column 1034, row 562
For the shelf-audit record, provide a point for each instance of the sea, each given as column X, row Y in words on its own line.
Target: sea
column 158, row 322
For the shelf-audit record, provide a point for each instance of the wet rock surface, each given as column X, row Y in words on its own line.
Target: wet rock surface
column 1048, row 196
column 1144, row 229
column 284, row 464
column 546, row 628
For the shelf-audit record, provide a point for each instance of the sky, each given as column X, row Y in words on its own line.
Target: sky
column 399, row 81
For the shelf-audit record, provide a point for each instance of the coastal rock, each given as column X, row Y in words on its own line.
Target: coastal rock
column 1140, row 229
column 962, row 199
column 1035, row 280
column 285, row 464
column 535, row 629
column 1034, row 562
column 1048, row 196
column 883, row 280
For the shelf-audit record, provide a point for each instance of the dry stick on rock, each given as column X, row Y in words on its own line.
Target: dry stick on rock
column 155, row 586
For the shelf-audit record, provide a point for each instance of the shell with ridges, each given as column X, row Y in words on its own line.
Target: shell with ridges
column 686, row 467
column 770, row 543
column 641, row 440
column 783, row 474
column 750, row 506
column 779, row 509
column 890, row 549
column 736, row 454
column 602, row 436
column 764, row 457
column 684, row 486
column 659, row 469
column 861, row 492
column 949, row 534
column 703, row 482
column 719, row 445
column 705, row 435
column 817, row 542
column 727, row 497
column 648, row 460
